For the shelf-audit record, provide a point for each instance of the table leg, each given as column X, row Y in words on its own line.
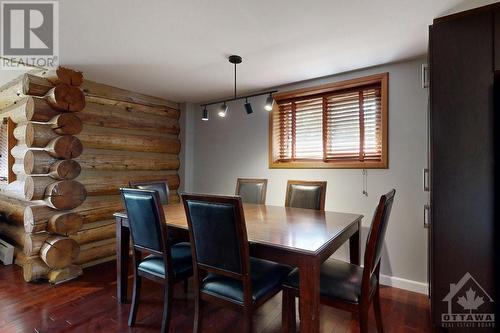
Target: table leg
column 309, row 296
column 354, row 246
column 122, row 255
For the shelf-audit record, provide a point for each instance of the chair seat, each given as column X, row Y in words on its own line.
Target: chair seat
column 181, row 262
column 266, row 276
column 339, row 279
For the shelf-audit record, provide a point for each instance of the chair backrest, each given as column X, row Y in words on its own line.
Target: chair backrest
column 160, row 186
column 305, row 194
column 252, row 190
column 147, row 220
column 218, row 234
column 376, row 235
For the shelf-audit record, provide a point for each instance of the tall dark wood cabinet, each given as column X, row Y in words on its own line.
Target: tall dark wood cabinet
column 463, row 55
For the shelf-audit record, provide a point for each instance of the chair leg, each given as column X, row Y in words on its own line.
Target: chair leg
column 288, row 312
column 167, row 308
column 198, row 315
column 363, row 318
column 247, row 320
column 377, row 309
column 136, row 294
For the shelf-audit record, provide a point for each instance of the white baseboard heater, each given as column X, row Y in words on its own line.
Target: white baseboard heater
column 6, row 252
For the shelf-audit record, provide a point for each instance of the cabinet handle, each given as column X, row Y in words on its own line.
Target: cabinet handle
column 426, row 215
column 426, row 180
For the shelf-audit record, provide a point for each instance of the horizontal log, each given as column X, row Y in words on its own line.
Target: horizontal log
column 40, row 134
column 99, row 208
column 29, row 109
column 34, row 85
column 110, row 116
column 64, row 97
column 11, row 92
column 63, row 147
column 96, row 231
column 94, row 251
column 29, row 243
column 56, row 276
column 59, row 252
column 35, row 269
column 40, row 218
column 106, row 92
column 12, row 210
column 37, row 162
column 163, row 111
column 109, row 182
column 100, row 159
column 105, row 138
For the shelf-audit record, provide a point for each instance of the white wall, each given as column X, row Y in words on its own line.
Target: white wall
column 224, row 149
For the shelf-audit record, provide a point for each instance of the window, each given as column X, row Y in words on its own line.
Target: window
column 7, row 141
column 340, row 125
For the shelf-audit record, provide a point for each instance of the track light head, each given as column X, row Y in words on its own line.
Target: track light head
column 269, row 103
column 222, row 110
column 248, row 107
column 204, row 115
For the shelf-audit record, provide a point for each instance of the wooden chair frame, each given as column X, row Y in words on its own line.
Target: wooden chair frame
column 371, row 267
column 137, row 252
column 263, row 181
column 322, row 184
column 200, row 270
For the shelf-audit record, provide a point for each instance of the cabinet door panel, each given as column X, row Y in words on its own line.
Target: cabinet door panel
column 461, row 155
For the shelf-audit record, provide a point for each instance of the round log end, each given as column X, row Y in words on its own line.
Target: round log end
column 67, row 123
column 29, row 188
column 65, row 169
column 66, row 147
column 65, row 194
column 68, row 98
column 59, row 252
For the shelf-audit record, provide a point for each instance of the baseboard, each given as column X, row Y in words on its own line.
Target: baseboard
column 392, row 281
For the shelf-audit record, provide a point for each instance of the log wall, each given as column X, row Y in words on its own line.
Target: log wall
column 77, row 143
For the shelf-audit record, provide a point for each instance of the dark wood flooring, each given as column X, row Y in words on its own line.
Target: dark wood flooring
column 88, row 304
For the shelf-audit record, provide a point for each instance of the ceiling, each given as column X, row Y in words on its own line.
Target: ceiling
column 178, row 49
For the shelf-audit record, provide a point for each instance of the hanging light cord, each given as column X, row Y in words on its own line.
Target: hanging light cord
column 235, row 81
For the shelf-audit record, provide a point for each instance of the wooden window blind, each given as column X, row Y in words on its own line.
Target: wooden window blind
column 343, row 125
column 4, row 152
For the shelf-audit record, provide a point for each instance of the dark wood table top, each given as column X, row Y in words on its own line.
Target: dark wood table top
column 304, row 231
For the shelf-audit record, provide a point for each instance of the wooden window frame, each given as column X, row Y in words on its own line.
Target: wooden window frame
column 11, row 143
column 382, row 79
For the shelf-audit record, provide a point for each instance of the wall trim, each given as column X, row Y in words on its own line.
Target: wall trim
column 396, row 282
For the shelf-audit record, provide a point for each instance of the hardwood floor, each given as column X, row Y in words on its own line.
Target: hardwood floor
column 88, row 304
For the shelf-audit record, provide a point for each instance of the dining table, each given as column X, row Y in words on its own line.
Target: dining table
column 302, row 238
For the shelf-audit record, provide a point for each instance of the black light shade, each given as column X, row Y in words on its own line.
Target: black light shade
column 222, row 110
column 269, row 103
column 204, row 115
column 248, row 107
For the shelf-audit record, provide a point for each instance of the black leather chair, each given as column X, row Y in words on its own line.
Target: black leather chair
column 305, row 194
column 160, row 186
column 224, row 272
column 252, row 190
column 344, row 285
column 164, row 264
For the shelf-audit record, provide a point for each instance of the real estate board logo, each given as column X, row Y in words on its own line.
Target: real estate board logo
column 467, row 303
column 30, row 34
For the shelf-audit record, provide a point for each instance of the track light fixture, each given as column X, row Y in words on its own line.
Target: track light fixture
column 222, row 112
column 269, row 103
column 248, row 107
column 204, row 116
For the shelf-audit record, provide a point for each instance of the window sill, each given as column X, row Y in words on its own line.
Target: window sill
column 329, row 165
